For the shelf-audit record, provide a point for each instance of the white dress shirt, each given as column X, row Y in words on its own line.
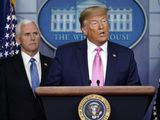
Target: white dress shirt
column 91, row 54
column 26, row 60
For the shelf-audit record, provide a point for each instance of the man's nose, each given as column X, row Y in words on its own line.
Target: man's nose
column 32, row 36
column 101, row 25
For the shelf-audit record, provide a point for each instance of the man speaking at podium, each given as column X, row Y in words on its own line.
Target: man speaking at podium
column 94, row 61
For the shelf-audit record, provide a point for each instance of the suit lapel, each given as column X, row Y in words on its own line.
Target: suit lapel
column 111, row 65
column 20, row 70
column 44, row 66
column 83, row 62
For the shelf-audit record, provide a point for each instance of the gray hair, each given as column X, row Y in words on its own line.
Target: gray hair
column 21, row 23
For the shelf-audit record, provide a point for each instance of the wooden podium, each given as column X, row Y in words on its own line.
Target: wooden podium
column 127, row 102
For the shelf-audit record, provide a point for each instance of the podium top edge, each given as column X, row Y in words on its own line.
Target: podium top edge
column 85, row 90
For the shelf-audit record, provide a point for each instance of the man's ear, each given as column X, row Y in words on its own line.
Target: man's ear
column 18, row 40
column 84, row 30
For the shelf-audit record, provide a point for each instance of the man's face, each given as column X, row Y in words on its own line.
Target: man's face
column 29, row 39
column 96, row 29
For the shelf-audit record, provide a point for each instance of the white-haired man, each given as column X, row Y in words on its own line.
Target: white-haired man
column 21, row 74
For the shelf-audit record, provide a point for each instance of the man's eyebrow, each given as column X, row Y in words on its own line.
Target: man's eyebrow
column 26, row 33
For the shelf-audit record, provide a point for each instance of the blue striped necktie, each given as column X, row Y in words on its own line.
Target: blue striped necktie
column 34, row 74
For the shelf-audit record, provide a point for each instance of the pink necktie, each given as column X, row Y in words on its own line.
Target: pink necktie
column 97, row 70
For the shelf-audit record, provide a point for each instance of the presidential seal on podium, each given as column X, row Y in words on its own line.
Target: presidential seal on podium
column 94, row 107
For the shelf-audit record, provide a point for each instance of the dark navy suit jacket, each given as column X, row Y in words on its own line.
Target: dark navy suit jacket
column 70, row 66
column 17, row 101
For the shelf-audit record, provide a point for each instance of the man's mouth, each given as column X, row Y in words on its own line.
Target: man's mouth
column 102, row 34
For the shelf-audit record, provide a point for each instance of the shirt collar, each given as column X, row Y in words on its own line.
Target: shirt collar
column 92, row 47
column 26, row 57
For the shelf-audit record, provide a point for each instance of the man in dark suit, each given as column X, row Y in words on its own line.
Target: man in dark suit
column 156, row 107
column 158, row 102
column 74, row 63
column 17, row 93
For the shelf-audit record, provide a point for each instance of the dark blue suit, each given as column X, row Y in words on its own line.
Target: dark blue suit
column 17, row 101
column 70, row 67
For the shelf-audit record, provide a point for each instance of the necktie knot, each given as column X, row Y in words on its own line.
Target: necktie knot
column 32, row 60
column 98, row 49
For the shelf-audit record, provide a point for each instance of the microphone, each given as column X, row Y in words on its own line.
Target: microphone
column 89, row 82
column 98, row 82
